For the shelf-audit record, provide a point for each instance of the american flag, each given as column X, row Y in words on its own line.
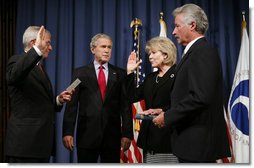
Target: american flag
column 134, row 154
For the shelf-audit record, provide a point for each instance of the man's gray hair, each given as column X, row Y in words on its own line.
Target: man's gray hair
column 93, row 42
column 29, row 35
column 193, row 13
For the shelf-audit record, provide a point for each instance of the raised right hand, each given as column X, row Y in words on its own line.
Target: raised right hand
column 132, row 63
column 40, row 40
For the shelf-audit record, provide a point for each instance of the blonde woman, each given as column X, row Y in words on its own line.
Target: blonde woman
column 155, row 90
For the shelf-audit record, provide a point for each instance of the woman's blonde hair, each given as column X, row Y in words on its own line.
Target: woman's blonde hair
column 165, row 46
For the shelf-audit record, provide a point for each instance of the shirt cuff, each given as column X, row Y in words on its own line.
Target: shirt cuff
column 37, row 50
column 58, row 102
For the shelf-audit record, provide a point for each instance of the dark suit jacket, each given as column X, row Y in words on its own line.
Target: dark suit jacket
column 197, row 106
column 30, row 129
column 98, row 123
column 156, row 95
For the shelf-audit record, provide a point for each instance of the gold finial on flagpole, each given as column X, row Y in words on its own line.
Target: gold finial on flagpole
column 243, row 13
column 136, row 32
column 244, row 24
column 163, row 27
column 137, row 22
column 161, row 15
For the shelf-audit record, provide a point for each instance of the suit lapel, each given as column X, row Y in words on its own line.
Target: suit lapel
column 170, row 75
column 187, row 55
column 183, row 59
column 93, row 83
column 150, row 87
column 112, row 77
column 44, row 80
column 49, row 86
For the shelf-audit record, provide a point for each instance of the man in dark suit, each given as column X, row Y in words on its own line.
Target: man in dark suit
column 30, row 130
column 196, row 117
column 104, row 123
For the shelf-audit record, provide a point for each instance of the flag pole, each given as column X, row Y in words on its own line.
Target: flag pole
column 163, row 27
column 243, row 13
column 244, row 23
column 137, row 23
column 134, row 153
column 161, row 15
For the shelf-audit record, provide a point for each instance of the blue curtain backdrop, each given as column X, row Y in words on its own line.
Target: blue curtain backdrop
column 72, row 23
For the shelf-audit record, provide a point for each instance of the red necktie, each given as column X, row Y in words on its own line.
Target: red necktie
column 102, row 82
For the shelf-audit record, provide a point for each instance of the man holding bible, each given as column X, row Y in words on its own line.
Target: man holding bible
column 196, row 115
column 30, row 130
column 104, row 121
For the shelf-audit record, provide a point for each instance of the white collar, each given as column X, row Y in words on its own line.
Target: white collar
column 190, row 44
column 97, row 65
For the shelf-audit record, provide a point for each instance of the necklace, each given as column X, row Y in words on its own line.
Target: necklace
column 156, row 79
